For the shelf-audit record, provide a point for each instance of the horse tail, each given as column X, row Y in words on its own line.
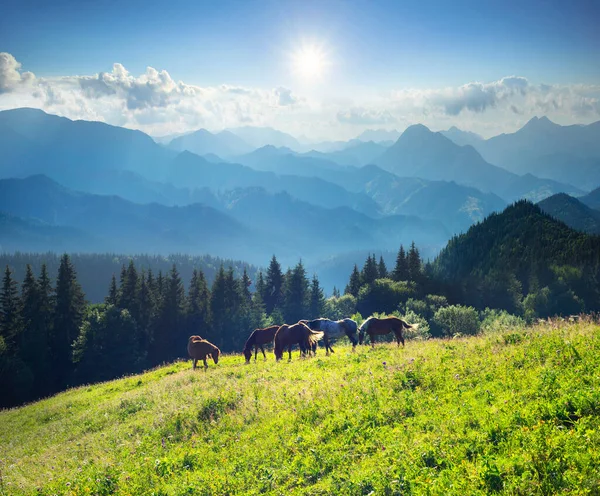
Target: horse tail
column 313, row 337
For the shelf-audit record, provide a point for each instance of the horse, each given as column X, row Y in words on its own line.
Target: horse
column 334, row 329
column 201, row 349
column 374, row 326
column 288, row 335
column 258, row 338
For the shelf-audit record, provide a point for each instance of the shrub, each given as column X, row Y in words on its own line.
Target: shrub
column 337, row 308
column 421, row 332
column 384, row 295
column 493, row 320
column 457, row 319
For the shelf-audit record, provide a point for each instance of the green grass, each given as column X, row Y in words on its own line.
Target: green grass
column 517, row 412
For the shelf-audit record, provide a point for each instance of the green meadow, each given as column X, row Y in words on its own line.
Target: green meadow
column 514, row 412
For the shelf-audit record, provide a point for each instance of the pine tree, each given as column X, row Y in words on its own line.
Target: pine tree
column 46, row 306
column 168, row 333
column 382, row 269
column 260, row 286
column 336, row 292
column 273, row 286
column 414, row 264
column 245, row 286
column 400, row 272
column 68, row 316
column 296, row 294
column 128, row 297
column 10, row 316
column 353, row 286
column 198, row 306
column 113, row 292
column 370, row 272
column 218, row 307
column 317, row 299
column 146, row 311
column 33, row 345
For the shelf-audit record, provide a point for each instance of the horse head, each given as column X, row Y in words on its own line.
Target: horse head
column 362, row 330
column 351, row 328
column 215, row 355
column 247, row 354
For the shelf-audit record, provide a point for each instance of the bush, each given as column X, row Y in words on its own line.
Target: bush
column 421, row 332
column 337, row 308
column 456, row 320
column 384, row 295
column 493, row 320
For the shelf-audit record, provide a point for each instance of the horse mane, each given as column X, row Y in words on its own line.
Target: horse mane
column 365, row 325
column 250, row 341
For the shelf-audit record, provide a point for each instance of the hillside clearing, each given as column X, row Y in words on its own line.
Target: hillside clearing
column 516, row 412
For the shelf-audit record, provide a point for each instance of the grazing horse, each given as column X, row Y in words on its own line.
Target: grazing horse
column 300, row 334
column 257, row 339
column 201, row 349
column 334, row 329
column 374, row 326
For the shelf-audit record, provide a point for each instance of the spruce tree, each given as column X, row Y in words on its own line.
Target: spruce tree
column 273, row 286
column 317, row 299
column 45, row 314
column 198, row 306
column 400, row 272
column 113, row 292
column 219, row 307
column 10, row 312
column 296, row 294
column 260, row 286
column 336, row 292
column 414, row 264
column 33, row 344
column 382, row 269
column 370, row 272
column 245, row 286
column 353, row 286
column 168, row 333
column 128, row 297
column 68, row 317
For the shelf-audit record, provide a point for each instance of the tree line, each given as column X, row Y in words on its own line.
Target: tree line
column 52, row 338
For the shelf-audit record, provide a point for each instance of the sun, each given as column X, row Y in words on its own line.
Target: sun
column 310, row 62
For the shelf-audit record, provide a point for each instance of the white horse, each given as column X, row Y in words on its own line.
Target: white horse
column 334, row 329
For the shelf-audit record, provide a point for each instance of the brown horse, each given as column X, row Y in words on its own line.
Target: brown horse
column 374, row 326
column 300, row 334
column 201, row 349
column 257, row 339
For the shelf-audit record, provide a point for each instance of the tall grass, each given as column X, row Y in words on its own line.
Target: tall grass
column 514, row 411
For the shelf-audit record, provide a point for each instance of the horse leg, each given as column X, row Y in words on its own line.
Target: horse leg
column 205, row 364
column 195, row 360
column 255, row 352
column 263, row 350
column 372, row 338
column 290, row 352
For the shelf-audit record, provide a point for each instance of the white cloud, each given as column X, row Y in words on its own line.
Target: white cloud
column 11, row 77
column 155, row 103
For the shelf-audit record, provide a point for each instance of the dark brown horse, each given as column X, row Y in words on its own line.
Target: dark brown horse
column 201, row 349
column 374, row 326
column 289, row 335
column 258, row 338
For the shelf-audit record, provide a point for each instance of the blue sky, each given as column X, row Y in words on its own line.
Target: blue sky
column 372, row 48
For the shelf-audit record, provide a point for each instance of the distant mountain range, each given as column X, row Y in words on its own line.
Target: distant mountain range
column 250, row 222
column 461, row 137
column 378, row 135
column 568, row 154
column 89, row 186
column 422, row 153
column 202, row 142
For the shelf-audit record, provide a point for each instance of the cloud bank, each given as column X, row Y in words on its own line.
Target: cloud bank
column 155, row 103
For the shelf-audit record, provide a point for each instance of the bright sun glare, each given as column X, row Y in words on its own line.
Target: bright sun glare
column 310, row 62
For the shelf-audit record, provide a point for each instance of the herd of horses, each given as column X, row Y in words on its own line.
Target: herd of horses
column 306, row 334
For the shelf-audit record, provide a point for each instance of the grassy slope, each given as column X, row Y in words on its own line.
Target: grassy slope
column 517, row 412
